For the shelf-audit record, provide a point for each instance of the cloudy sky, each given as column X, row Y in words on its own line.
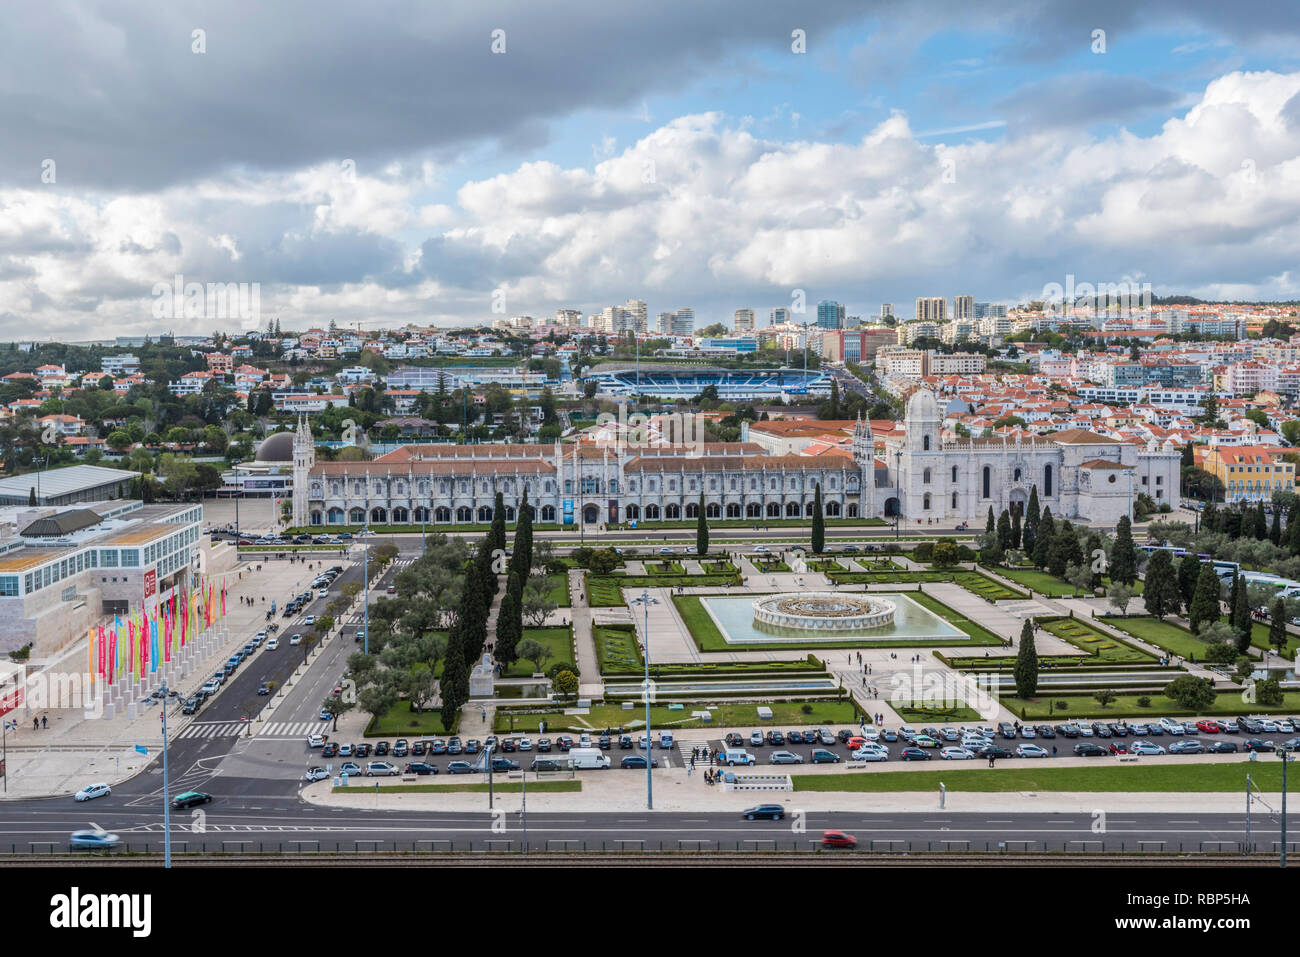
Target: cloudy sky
column 447, row 162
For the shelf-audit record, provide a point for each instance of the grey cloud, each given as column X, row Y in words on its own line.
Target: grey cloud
column 1081, row 100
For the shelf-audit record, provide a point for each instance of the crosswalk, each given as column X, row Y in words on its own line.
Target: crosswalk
column 274, row 729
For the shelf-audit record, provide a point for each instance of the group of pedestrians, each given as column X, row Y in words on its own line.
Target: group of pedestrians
column 38, row 723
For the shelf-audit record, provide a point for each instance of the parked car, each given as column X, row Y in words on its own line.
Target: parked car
column 351, row 769
column 914, row 754
column 380, row 769
column 460, row 767
column 316, row 774
column 1186, row 746
column 822, row 756
column 1032, row 751
column 871, row 752
column 776, row 739
column 1222, row 747
column 1088, row 750
column 637, row 761
column 954, row 753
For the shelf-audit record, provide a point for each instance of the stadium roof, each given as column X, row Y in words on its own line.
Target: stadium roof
column 55, row 482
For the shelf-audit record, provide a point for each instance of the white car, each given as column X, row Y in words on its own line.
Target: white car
column 381, row 768
column 273, row 644
column 210, row 686
column 295, row 639
column 309, row 620
column 92, row 791
column 1286, row 727
column 1268, row 725
column 261, row 635
column 316, row 774
column 315, row 740
column 869, row 752
column 1031, row 751
column 525, row 744
column 1145, row 747
column 870, row 732
column 323, row 593
column 952, row 753
column 762, row 550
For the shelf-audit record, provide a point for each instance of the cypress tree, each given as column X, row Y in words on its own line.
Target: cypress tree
column 701, row 529
column 1241, row 613
column 1033, row 511
column 1161, row 588
column 1189, row 573
column 991, row 525
column 1059, row 552
column 1204, row 609
column 1293, row 530
column 454, row 685
column 1277, row 636
column 1275, row 532
column 1004, row 530
column 1094, row 546
column 1017, row 532
column 509, row 629
column 31, row 495
column 1123, row 558
column 497, row 536
column 1046, row 533
column 818, row 523
column 1261, row 522
column 1026, row 673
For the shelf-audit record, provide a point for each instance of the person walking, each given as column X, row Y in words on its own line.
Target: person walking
column 44, row 722
column 36, row 724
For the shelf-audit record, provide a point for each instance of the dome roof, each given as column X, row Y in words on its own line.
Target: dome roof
column 276, row 448
column 922, row 405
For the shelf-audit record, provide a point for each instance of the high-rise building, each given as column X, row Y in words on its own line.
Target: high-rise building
column 744, row 320
column 569, row 318
column 886, row 311
column 639, row 317
column 963, row 307
column 665, row 323
column 830, row 314
column 779, row 316
column 932, row 309
column 684, row 322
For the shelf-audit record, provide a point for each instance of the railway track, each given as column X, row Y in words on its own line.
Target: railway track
column 651, row 859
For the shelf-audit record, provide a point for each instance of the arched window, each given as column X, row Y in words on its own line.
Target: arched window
column 712, row 510
column 925, row 502
column 808, row 509
column 853, row 510
column 464, row 514
column 833, row 509
column 925, row 477
column 692, row 510
column 925, row 443
column 315, row 518
column 633, row 512
column 954, row 473
column 1016, row 476
column 510, row 513
column 548, row 513
column 954, row 500
column 672, row 513
column 484, row 513
column 400, row 516
column 1047, row 481
column 420, row 515
column 357, row 516
column 652, row 511
column 753, row 510
column 379, row 516
column 733, row 510
column 334, row 516
column 988, row 479
column 792, row 509
column 442, row 514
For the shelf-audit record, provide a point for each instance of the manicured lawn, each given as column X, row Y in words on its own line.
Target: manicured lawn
column 664, row 568
column 912, row 713
column 878, row 564
column 1096, row 643
column 1040, row 582
column 974, row 582
column 1178, row 640
column 401, row 722
column 560, row 590
column 719, row 568
column 1125, row 706
column 617, row 649
column 604, row 591
column 1190, row 775
column 785, row 714
column 498, row 786
column 768, row 566
column 558, row 640
column 826, row 565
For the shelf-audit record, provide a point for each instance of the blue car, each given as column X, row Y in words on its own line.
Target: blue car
column 325, row 715
column 93, row 840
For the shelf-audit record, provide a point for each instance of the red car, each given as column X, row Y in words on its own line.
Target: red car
column 1209, row 727
column 838, row 839
column 1118, row 748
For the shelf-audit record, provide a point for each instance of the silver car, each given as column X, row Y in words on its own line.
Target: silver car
column 784, row 757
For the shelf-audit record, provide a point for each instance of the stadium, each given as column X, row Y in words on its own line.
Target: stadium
column 686, row 382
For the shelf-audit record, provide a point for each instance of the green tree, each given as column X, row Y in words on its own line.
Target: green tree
column 1261, row 522
column 1241, row 613
column 566, row 684
column 508, row 634
column 701, row 529
column 1191, row 692
column 1268, row 692
column 1189, row 573
column 991, row 525
column 818, row 523
column 1119, row 595
column 1160, row 590
column 1277, row 636
column 335, row 707
column 454, row 686
column 1204, row 607
column 1045, row 538
column 534, row 651
column 1004, row 530
column 1104, row 697
column 1026, row 672
column 1123, row 558
column 1017, row 532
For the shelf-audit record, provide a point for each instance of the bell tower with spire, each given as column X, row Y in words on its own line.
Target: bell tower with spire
column 864, row 457
column 304, row 457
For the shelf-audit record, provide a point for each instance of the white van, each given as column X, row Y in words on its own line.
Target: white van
column 733, row 756
column 587, row 758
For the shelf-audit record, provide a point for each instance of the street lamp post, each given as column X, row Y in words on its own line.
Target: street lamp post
column 167, row 805
column 8, row 726
column 645, row 601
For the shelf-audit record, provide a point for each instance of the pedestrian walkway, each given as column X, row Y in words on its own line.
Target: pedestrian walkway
column 292, row 729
